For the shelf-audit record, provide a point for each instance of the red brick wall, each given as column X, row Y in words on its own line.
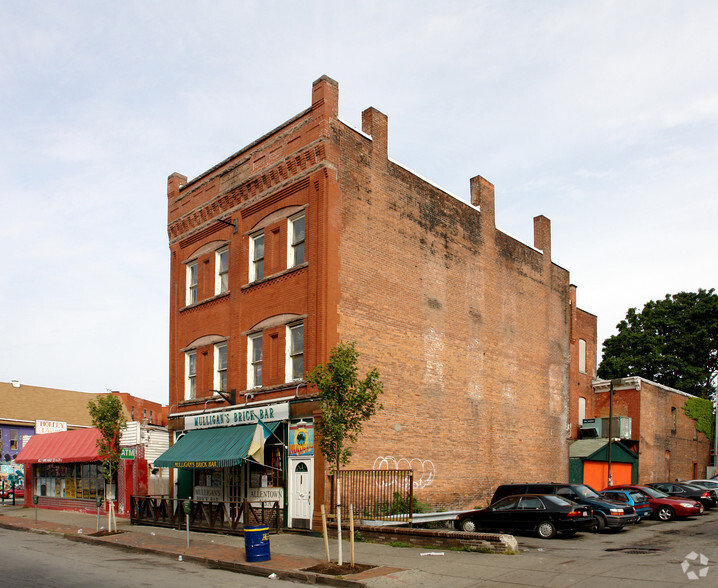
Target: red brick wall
column 468, row 327
column 583, row 327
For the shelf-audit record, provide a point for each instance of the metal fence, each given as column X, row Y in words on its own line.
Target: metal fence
column 218, row 516
column 376, row 495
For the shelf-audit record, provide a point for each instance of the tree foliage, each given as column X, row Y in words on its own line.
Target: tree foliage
column 346, row 401
column 673, row 341
column 108, row 416
column 701, row 411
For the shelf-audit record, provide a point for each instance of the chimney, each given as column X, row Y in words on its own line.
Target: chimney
column 325, row 97
column 542, row 235
column 376, row 125
column 174, row 183
column 482, row 195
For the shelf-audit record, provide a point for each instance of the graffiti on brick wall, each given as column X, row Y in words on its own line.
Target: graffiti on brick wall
column 424, row 470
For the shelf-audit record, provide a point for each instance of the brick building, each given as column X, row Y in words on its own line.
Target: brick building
column 666, row 440
column 311, row 235
column 56, row 417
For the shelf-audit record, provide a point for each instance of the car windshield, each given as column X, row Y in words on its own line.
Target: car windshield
column 638, row 497
column 585, row 491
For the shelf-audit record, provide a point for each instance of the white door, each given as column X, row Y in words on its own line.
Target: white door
column 301, row 502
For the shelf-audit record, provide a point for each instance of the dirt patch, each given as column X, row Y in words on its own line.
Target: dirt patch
column 105, row 533
column 333, row 569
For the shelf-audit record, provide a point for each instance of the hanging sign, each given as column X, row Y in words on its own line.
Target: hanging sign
column 301, row 439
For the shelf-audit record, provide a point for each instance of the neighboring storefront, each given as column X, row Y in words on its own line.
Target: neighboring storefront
column 256, row 453
column 64, row 470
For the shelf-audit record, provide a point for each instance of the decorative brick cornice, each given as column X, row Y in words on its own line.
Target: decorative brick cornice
column 252, row 188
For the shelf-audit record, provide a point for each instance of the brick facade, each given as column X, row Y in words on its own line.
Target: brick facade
column 470, row 329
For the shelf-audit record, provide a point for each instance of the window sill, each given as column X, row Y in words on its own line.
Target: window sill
column 274, row 388
column 277, row 275
column 205, row 301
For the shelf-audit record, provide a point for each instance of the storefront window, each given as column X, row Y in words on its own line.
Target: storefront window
column 84, row 481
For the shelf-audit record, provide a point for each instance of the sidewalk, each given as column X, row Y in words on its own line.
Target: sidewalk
column 291, row 554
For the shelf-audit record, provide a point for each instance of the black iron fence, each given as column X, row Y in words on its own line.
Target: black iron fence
column 217, row 516
column 380, row 495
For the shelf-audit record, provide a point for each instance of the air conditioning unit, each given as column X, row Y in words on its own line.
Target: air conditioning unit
column 591, row 428
column 620, row 429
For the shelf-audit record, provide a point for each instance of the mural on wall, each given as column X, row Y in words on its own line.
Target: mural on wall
column 424, row 470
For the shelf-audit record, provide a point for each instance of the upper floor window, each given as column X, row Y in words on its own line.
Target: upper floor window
column 221, row 263
column 190, row 388
column 192, row 277
column 254, row 368
column 673, row 419
column 582, row 356
column 581, row 410
column 296, row 240
column 256, row 257
column 150, row 417
column 220, row 366
column 13, row 439
column 295, row 352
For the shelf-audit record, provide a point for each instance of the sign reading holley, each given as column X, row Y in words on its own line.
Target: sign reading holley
column 242, row 416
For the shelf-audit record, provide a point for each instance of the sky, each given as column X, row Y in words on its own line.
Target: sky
column 600, row 115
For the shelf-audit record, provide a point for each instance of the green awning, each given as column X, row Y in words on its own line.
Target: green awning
column 222, row 447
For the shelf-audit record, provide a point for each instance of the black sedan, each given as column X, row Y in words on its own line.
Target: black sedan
column 683, row 490
column 543, row 514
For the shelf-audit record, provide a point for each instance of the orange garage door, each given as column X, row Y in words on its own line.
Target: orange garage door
column 595, row 474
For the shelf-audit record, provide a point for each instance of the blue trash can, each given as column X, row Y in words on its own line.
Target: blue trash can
column 256, row 542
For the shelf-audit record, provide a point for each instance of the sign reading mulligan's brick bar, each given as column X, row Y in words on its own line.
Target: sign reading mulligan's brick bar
column 243, row 416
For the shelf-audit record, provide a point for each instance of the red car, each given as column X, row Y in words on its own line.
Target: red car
column 665, row 508
column 7, row 494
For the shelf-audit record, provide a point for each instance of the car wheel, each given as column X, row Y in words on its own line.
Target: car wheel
column 600, row 523
column 468, row 525
column 665, row 513
column 546, row 530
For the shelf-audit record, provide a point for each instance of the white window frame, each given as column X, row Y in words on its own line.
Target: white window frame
column 252, row 364
column 192, row 283
column 293, row 247
column 254, row 264
column 219, row 370
column 582, row 356
column 190, row 376
column 221, row 285
column 292, row 353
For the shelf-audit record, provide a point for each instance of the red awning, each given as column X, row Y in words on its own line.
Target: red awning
column 66, row 447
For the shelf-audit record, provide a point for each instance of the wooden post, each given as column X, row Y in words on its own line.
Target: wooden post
column 326, row 534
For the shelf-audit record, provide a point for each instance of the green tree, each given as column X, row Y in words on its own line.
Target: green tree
column 108, row 416
column 673, row 341
column 346, row 403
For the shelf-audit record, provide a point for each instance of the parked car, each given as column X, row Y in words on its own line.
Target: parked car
column 682, row 490
column 666, row 508
column 638, row 500
column 542, row 514
column 19, row 492
column 608, row 514
column 708, row 484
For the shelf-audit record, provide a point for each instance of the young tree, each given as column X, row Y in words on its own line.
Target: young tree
column 673, row 341
column 108, row 416
column 346, row 403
